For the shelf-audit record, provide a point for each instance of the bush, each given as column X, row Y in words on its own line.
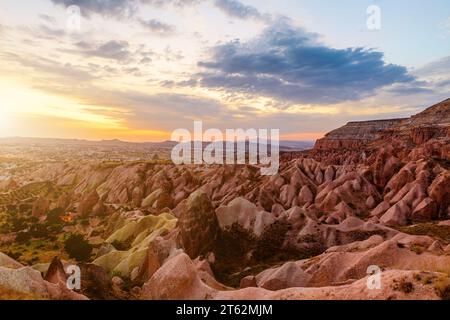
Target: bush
column 54, row 216
column 17, row 223
column 23, row 237
column 121, row 246
column 84, row 222
column 38, row 231
column 14, row 255
column 78, row 248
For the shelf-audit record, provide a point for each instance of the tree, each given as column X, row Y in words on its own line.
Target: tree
column 54, row 216
column 78, row 248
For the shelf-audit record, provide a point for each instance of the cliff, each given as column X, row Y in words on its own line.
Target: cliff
column 434, row 122
column 356, row 134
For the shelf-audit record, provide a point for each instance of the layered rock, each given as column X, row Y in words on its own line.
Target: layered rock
column 426, row 130
column 355, row 134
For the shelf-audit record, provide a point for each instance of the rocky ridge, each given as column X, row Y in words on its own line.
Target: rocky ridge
column 426, row 130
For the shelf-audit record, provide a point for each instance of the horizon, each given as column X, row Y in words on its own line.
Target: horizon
column 125, row 141
column 285, row 138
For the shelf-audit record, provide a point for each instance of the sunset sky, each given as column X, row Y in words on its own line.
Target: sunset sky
column 137, row 70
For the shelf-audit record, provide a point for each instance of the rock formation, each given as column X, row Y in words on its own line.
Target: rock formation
column 372, row 193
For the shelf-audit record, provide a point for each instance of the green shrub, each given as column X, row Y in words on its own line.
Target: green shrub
column 78, row 248
column 121, row 246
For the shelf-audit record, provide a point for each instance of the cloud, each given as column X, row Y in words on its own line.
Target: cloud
column 170, row 55
column 180, row 105
column 48, row 19
column 145, row 56
column 120, row 8
column 183, row 83
column 443, row 84
column 288, row 63
column 108, row 8
column 437, row 75
column 163, row 111
column 440, row 67
column 168, row 111
column 123, row 9
column 157, row 26
column 113, row 49
column 50, row 32
column 404, row 90
column 51, row 73
column 237, row 9
column 175, row 3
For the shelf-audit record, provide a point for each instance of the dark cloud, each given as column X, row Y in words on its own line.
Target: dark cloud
column 288, row 63
column 237, row 9
column 157, row 26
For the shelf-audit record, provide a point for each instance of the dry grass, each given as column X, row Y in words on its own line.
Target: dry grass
column 442, row 287
column 35, row 250
column 429, row 229
column 6, row 294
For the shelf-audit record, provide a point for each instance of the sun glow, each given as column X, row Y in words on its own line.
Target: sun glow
column 19, row 101
column 7, row 122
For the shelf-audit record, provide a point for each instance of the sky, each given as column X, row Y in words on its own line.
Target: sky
column 137, row 70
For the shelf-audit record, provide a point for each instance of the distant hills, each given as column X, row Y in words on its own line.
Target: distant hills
column 285, row 145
